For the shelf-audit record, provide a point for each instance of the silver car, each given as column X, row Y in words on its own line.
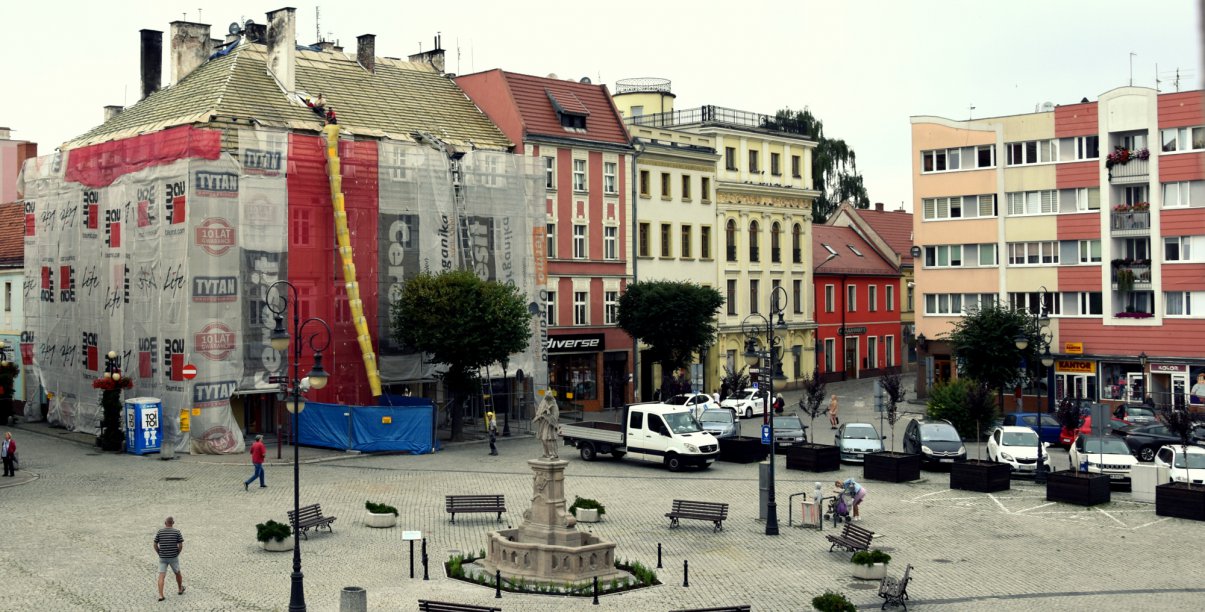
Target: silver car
column 856, row 440
column 720, row 422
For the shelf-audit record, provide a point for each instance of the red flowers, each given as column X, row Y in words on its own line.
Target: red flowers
column 105, row 383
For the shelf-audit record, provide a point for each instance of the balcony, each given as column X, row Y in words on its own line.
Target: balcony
column 1129, row 222
column 1131, row 275
column 754, row 254
column 731, row 253
column 1134, row 171
column 797, row 255
column 721, row 116
column 775, row 255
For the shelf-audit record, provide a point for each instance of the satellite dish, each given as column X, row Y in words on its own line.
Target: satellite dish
column 234, row 28
column 585, row 81
column 248, row 24
column 552, row 75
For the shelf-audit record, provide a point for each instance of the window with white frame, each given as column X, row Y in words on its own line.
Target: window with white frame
column 550, row 172
column 985, row 156
column 1183, row 139
column 830, row 292
column 581, row 308
column 687, row 239
column 550, row 307
column 956, row 303
column 1183, row 194
column 830, row 347
column 611, row 307
column 1031, row 152
column 943, row 256
column 987, row 254
column 1031, row 302
column 1183, row 248
column 890, row 298
column 610, row 177
column 1089, row 251
column 1179, row 303
column 872, row 298
column 579, row 241
column 667, row 240
column 1133, row 141
column 1081, row 199
column 1135, row 194
column 610, row 242
column 579, row 175
column 1081, row 303
column 851, row 298
column 550, row 236
column 1033, row 253
column 1087, row 147
column 959, row 207
column 1043, row 202
column 941, row 160
column 889, row 351
column 872, row 352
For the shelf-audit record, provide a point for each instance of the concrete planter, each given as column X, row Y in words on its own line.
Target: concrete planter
column 981, row 476
column 877, row 571
column 1181, row 501
column 587, row 515
column 381, row 521
column 892, row 467
column 1079, row 489
column 814, row 457
column 281, row 546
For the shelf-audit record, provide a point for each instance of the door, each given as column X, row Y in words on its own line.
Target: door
column 658, row 439
column 851, row 358
column 637, row 436
column 1134, row 390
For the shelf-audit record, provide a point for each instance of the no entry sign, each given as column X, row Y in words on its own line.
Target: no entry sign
column 189, row 371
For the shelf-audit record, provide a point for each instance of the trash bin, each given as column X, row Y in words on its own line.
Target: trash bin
column 353, row 599
column 763, row 490
column 810, row 514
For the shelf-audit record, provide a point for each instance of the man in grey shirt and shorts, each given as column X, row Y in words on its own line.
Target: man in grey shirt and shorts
column 169, row 543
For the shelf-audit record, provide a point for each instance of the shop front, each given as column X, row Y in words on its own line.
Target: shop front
column 585, row 375
column 1075, row 378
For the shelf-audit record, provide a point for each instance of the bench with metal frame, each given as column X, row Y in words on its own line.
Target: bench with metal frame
column 458, row 504
column 426, row 605
column 700, row 510
column 895, row 592
column 851, row 538
column 309, row 517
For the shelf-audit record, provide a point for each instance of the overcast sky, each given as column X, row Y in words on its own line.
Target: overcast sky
column 863, row 67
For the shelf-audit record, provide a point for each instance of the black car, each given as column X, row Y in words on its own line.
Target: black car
column 935, row 441
column 1144, row 440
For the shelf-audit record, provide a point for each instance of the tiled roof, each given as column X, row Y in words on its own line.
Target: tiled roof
column 12, row 236
column 846, row 261
column 894, row 227
column 397, row 100
column 533, row 97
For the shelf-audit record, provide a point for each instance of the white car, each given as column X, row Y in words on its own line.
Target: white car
column 697, row 402
column 746, row 403
column 1018, row 447
column 855, row 440
column 1173, row 457
column 1106, row 455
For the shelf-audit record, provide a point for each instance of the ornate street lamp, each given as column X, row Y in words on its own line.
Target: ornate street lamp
column 752, row 325
column 1040, row 324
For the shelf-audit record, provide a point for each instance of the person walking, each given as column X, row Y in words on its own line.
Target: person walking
column 169, row 543
column 857, row 491
column 8, row 453
column 779, row 403
column 832, row 413
column 491, row 425
column 257, row 459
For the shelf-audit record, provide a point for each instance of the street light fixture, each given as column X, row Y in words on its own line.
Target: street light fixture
column 752, row 325
column 317, row 378
column 1039, row 326
column 1142, row 360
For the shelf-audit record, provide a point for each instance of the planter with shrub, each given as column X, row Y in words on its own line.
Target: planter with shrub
column 981, row 476
column 380, row 515
column 811, row 457
column 870, row 564
column 274, row 537
column 1180, row 500
column 1079, row 488
column 587, row 510
column 892, row 467
column 833, row 602
column 743, row 449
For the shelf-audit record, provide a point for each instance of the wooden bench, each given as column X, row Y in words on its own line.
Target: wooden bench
column 310, row 516
column 703, row 511
column 895, row 591
column 425, row 605
column 455, row 504
column 852, row 538
column 741, row 608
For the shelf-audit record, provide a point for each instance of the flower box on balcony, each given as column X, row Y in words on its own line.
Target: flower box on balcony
column 1133, row 315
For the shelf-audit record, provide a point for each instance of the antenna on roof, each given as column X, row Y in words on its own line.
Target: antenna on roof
column 318, row 23
column 970, row 112
column 199, row 14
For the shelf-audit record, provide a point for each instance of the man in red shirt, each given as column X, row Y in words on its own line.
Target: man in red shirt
column 257, row 459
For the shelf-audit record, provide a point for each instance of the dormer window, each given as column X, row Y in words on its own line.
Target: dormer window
column 569, row 110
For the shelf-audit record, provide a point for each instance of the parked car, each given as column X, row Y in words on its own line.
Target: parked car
column 1106, row 455
column 936, row 441
column 697, row 402
column 1181, row 464
column 1018, row 447
column 1135, row 414
column 746, row 403
column 1049, row 429
column 1145, row 440
column 857, row 439
column 789, row 430
column 720, row 422
column 1066, row 436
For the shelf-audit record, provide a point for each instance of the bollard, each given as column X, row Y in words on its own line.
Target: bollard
column 685, row 573
column 658, row 555
column 425, row 576
column 497, row 584
column 353, row 599
column 596, row 590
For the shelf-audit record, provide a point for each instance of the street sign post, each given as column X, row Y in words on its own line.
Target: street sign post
column 765, row 434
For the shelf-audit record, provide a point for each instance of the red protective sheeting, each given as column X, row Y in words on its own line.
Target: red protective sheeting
column 99, row 165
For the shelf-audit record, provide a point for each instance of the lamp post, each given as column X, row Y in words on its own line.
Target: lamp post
column 1040, row 325
column 317, row 380
column 1142, row 360
column 752, row 325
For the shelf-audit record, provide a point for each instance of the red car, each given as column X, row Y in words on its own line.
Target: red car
column 1066, row 437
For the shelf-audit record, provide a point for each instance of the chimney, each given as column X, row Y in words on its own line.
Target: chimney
column 256, row 32
column 152, row 62
column 366, row 51
column 282, row 46
column 190, row 47
column 113, row 111
column 435, row 56
column 878, row 206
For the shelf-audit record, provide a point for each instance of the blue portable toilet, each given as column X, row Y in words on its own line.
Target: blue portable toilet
column 144, row 425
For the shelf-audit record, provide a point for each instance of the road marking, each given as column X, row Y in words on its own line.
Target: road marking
column 1152, row 523
column 1035, row 507
column 993, row 498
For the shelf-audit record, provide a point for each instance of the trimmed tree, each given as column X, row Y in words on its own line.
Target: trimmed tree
column 985, row 344
column 464, row 323
column 893, row 393
column 966, row 404
column 732, row 381
column 812, row 402
column 676, row 319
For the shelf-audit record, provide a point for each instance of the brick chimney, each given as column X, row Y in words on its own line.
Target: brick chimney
column 282, row 46
column 878, row 206
column 151, row 61
column 435, row 56
column 113, row 111
column 366, row 51
column 190, row 47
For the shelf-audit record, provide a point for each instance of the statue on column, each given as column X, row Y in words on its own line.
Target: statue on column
column 545, row 421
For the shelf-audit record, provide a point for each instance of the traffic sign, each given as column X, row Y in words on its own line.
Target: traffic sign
column 189, row 371
column 765, row 434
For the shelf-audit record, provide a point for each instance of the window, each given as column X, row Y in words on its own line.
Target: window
column 1033, row 253
column 987, row 255
column 1084, row 303
column 685, row 187
column 1132, row 141
column 1031, row 303
column 775, row 168
column 731, row 298
column 1135, row 194
column 705, row 190
column 1089, row 251
column 8, row 296
column 572, row 122
column 550, row 307
column 1082, row 199
column 1181, row 248
column 855, row 250
column 956, row 303
column 830, row 347
column 1033, row 202
column 851, row 298
column 550, row 172
column 550, row 235
column 665, row 187
column 1179, row 303
column 797, row 295
column 611, row 307
column 730, row 158
column 611, row 242
column 753, row 167
column 579, row 175
column 687, row 238
column 754, row 256
column 890, row 298
column 775, row 243
column 872, row 352
column 797, row 243
column 872, row 298
column 754, row 288
column 667, row 247
column 1183, row 139
column 579, row 241
column 1087, row 147
column 959, row 207
column 795, row 167
column 943, row 256
column 889, row 351
column 642, row 241
column 610, row 177
column 581, row 312
column 644, row 183
column 705, row 241
column 730, row 239
column 829, row 298
column 941, row 160
column 1183, row 194
column 985, row 156
column 1032, row 152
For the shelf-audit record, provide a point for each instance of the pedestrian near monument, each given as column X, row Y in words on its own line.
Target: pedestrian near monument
column 491, row 426
column 8, row 453
column 169, row 543
column 257, row 459
column 832, row 413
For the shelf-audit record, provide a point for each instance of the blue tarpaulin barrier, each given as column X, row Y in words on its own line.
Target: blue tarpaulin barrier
column 400, row 424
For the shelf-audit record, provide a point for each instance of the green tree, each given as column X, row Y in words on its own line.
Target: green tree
column 834, row 163
column 966, row 404
column 893, row 394
column 984, row 343
column 676, row 319
column 464, row 323
column 812, row 402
